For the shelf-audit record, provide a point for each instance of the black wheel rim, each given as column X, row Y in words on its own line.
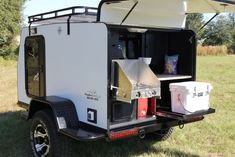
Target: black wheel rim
column 41, row 140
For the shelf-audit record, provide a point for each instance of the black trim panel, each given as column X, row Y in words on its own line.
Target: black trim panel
column 23, row 105
column 82, row 135
column 64, row 110
column 91, row 128
column 66, row 118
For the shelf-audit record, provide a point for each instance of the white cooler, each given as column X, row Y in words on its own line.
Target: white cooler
column 189, row 97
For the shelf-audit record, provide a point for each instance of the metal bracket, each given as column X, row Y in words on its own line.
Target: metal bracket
column 68, row 25
column 181, row 124
column 30, row 29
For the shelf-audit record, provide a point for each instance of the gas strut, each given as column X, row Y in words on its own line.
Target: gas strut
column 208, row 22
column 203, row 26
column 132, row 8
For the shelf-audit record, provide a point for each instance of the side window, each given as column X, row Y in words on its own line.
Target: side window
column 34, row 65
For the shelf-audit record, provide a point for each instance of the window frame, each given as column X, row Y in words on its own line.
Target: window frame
column 41, row 66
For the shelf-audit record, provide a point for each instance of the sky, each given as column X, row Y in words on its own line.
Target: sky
column 33, row 7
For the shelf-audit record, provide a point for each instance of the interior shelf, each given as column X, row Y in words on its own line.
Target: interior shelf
column 180, row 116
column 166, row 77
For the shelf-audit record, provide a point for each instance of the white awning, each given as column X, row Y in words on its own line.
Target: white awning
column 160, row 13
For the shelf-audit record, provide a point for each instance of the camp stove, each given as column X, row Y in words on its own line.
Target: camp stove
column 133, row 79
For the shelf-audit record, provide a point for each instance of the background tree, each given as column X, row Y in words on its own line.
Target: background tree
column 10, row 24
column 218, row 32
column 231, row 17
column 195, row 22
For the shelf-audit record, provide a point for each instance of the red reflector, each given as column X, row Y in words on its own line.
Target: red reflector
column 118, row 135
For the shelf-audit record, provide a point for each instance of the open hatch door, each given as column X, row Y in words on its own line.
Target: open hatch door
column 158, row 13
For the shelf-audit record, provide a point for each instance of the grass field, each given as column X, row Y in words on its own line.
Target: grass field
column 212, row 137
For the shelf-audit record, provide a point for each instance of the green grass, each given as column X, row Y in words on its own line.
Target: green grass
column 212, row 137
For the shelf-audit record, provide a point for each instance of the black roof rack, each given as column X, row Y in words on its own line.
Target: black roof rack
column 67, row 12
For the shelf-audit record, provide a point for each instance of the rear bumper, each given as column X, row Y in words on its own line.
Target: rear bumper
column 165, row 120
column 86, row 135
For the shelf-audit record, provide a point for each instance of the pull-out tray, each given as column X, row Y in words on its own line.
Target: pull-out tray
column 180, row 116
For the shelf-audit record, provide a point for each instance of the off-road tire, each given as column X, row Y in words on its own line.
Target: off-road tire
column 160, row 135
column 58, row 144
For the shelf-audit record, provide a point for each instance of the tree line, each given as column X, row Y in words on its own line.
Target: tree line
column 10, row 25
column 219, row 32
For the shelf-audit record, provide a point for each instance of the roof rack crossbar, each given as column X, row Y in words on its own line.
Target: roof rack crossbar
column 78, row 10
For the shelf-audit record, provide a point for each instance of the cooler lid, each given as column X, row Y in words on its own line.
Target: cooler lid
column 158, row 13
column 191, row 86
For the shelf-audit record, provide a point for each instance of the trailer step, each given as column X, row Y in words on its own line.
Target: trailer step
column 24, row 115
column 82, row 135
column 180, row 116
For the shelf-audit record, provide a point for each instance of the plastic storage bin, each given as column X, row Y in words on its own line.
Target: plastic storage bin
column 189, row 97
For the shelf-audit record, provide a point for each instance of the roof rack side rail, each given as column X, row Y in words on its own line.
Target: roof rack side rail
column 77, row 10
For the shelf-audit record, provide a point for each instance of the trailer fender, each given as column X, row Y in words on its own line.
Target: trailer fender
column 63, row 110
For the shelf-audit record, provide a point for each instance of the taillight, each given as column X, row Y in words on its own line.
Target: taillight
column 118, row 135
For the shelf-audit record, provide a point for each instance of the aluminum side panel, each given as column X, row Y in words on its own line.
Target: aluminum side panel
column 76, row 66
column 22, row 96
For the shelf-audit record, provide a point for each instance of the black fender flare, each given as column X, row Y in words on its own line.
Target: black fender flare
column 64, row 111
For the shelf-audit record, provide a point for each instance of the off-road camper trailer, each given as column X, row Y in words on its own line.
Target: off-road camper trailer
column 92, row 73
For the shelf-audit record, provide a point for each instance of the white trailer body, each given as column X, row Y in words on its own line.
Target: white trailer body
column 82, row 71
column 76, row 70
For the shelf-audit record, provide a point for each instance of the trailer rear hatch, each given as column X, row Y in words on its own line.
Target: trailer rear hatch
column 158, row 13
